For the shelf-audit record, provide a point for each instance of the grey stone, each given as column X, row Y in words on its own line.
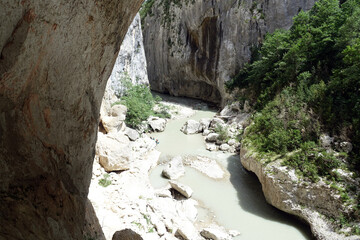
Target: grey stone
column 326, row 141
column 157, row 124
column 174, row 169
column 191, row 127
column 224, row 147
column 212, row 137
column 215, row 234
column 346, row 146
column 132, row 134
column 186, row 191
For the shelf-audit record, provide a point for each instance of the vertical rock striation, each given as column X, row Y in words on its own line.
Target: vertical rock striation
column 131, row 62
column 194, row 47
column 56, row 57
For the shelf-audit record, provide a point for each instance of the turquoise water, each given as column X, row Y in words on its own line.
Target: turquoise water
column 235, row 202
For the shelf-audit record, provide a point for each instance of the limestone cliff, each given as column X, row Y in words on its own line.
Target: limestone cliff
column 193, row 47
column 56, row 57
column 131, row 62
column 315, row 203
column 130, row 65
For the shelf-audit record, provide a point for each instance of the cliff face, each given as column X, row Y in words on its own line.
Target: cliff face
column 130, row 65
column 193, row 47
column 315, row 203
column 131, row 62
column 56, row 57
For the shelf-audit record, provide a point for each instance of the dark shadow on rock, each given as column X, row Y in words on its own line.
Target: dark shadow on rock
column 92, row 228
column 252, row 199
column 126, row 234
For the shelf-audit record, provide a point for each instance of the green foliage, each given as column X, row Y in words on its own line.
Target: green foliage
column 105, row 181
column 283, row 125
column 140, row 103
column 146, row 9
column 305, row 79
column 222, row 131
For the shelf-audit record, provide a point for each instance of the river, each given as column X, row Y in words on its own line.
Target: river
column 236, row 201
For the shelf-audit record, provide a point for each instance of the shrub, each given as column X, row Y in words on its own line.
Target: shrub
column 105, row 182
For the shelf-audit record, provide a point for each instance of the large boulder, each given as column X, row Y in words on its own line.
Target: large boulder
column 191, row 127
column 113, row 152
column 157, row 124
column 174, row 169
column 186, row 191
column 56, row 57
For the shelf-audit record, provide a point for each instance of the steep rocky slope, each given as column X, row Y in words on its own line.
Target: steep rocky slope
column 193, row 47
column 315, row 203
column 56, row 57
column 131, row 62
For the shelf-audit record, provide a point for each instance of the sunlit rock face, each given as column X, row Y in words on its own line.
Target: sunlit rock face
column 194, row 47
column 56, row 57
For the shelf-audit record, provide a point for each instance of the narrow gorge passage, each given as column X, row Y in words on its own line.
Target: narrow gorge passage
column 236, row 201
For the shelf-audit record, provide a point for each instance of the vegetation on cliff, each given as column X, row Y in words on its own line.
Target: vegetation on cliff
column 307, row 81
column 140, row 103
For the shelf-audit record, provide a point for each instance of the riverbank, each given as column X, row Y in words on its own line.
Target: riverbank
column 223, row 192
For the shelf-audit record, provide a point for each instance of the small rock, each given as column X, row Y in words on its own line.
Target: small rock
column 346, row 146
column 232, row 142
column 119, row 110
column 184, row 190
column 247, row 107
column 191, row 127
column 164, row 193
column 112, row 124
column 188, row 207
column 187, row 231
column 326, row 141
column 234, row 233
column 157, row 124
column 215, row 234
column 224, row 147
column 212, row 137
column 211, row 147
column 205, row 123
column 174, row 169
column 132, row 134
column 206, row 132
column 126, row 234
column 216, row 121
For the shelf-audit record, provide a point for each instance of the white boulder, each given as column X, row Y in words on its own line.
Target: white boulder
column 157, row 124
column 113, row 152
column 212, row 137
column 174, row 169
column 184, row 190
column 191, row 127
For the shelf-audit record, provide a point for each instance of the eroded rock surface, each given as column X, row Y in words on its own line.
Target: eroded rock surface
column 313, row 202
column 56, row 57
column 193, row 47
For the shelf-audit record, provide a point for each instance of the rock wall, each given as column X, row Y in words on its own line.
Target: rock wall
column 56, row 57
column 193, row 47
column 285, row 191
column 131, row 62
column 130, row 65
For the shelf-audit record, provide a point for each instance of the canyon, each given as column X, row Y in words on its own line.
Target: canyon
column 194, row 47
